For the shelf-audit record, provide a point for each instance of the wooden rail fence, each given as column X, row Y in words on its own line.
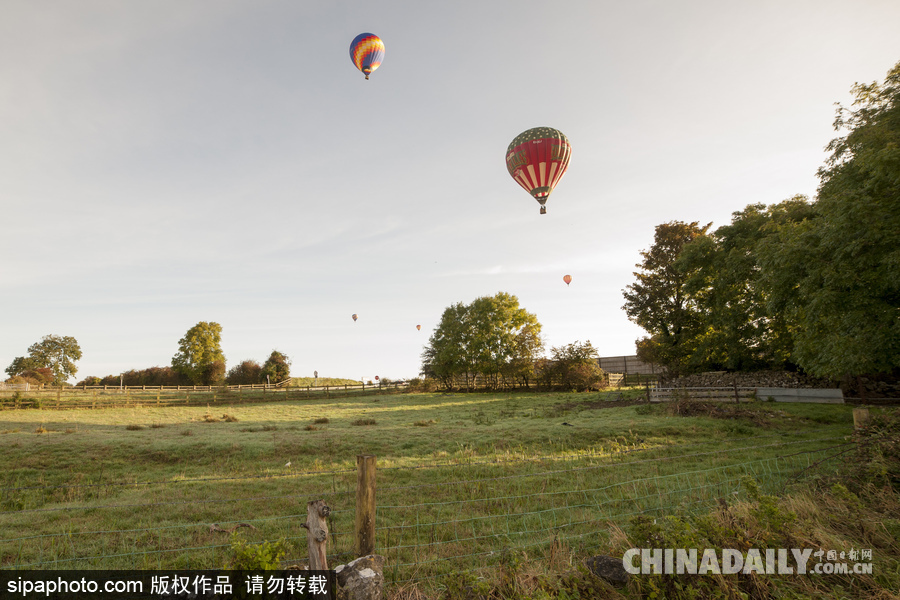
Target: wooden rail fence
column 87, row 397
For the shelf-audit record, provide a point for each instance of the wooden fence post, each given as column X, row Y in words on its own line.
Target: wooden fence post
column 317, row 534
column 365, row 505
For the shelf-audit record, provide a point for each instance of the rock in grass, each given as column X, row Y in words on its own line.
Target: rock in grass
column 361, row 579
column 608, row 568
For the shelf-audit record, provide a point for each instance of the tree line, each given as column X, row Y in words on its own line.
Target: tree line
column 497, row 341
column 199, row 361
column 798, row 285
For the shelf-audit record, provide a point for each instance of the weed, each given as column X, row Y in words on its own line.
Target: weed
column 229, row 418
column 187, row 432
column 41, row 429
column 255, row 557
column 363, row 422
column 157, row 425
column 311, row 428
column 270, row 428
column 424, row 423
column 321, row 421
column 134, row 427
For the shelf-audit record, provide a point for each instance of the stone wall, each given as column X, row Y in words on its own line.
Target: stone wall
column 876, row 386
column 753, row 379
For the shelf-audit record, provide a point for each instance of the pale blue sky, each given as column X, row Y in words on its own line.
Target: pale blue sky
column 169, row 162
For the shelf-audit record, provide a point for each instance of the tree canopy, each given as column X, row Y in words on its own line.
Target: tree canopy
column 492, row 336
column 277, row 367
column 799, row 284
column 658, row 301
column 57, row 353
column 200, row 356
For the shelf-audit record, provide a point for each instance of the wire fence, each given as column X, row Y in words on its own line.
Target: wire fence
column 432, row 519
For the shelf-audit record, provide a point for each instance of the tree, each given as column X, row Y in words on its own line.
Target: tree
column 483, row 337
column 58, row 353
column 20, row 364
column 527, row 350
column 738, row 332
column 446, row 354
column 837, row 276
column 247, row 372
column 198, row 352
column 277, row 367
column 658, row 302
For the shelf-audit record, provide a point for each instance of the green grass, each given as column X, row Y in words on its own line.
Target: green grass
column 460, row 476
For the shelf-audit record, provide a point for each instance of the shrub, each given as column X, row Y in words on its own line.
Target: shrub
column 256, row 557
column 247, row 372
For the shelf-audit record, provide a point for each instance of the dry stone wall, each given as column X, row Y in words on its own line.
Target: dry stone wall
column 880, row 386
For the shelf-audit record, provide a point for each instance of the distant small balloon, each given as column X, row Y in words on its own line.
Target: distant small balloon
column 419, row 327
column 354, row 316
column 567, row 279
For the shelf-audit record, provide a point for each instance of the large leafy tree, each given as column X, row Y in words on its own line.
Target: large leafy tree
column 658, row 301
column 484, row 337
column 837, row 276
column 738, row 331
column 200, row 356
column 58, row 353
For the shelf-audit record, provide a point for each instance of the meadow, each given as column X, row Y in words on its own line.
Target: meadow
column 463, row 479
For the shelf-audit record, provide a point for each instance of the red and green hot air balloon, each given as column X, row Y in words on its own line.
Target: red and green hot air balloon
column 567, row 279
column 537, row 160
column 367, row 52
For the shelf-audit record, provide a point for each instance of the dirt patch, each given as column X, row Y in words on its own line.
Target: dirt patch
column 717, row 410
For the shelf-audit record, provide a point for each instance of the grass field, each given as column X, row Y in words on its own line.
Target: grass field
column 462, row 478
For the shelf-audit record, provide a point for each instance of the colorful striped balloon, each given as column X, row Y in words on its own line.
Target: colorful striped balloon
column 537, row 160
column 367, row 52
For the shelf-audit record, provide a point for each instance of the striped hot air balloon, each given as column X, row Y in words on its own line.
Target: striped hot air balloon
column 354, row 316
column 367, row 52
column 537, row 160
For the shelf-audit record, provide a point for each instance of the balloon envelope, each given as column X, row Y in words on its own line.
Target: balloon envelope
column 419, row 327
column 567, row 279
column 367, row 52
column 354, row 316
column 537, row 159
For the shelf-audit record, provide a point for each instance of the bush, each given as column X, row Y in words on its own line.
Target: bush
column 247, row 372
column 256, row 557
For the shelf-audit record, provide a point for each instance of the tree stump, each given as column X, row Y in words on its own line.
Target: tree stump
column 317, row 528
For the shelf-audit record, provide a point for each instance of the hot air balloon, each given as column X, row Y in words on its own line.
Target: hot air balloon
column 567, row 279
column 354, row 316
column 418, row 327
column 537, row 160
column 367, row 52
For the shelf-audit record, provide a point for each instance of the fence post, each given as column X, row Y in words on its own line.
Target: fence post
column 317, row 534
column 365, row 505
column 736, row 392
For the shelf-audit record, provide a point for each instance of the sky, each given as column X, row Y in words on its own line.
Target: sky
column 170, row 162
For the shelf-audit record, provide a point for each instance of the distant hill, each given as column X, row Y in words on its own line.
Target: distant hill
column 309, row 381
